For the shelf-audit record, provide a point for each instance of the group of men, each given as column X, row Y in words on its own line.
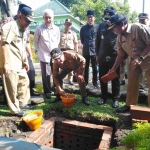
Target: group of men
column 105, row 45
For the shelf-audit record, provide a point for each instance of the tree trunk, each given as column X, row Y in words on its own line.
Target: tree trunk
column 8, row 7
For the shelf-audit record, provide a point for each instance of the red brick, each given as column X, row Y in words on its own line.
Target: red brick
column 36, row 134
column 71, row 122
column 140, row 121
column 43, row 136
column 140, row 112
column 104, row 145
column 87, row 125
column 49, row 142
column 47, row 125
column 107, row 135
column 104, row 127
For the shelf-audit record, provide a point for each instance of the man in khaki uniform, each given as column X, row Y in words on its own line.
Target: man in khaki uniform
column 68, row 42
column 14, row 64
column 135, row 41
column 68, row 61
column 143, row 19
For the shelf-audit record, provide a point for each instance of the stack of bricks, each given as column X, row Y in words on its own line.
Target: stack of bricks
column 72, row 135
column 139, row 113
column 44, row 135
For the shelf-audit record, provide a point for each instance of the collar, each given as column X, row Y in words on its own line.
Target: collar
column 68, row 31
column 20, row 27
column 90, row 25
column 49, row 27
column 128, row 28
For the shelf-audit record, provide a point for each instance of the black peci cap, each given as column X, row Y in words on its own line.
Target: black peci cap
column 90, row 12
column 28, row 13
column 109, row 11
column 56, row 53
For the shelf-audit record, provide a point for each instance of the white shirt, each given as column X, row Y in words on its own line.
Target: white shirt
column 46, row 39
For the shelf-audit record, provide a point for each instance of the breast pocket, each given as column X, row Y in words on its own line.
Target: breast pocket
column 54, row 37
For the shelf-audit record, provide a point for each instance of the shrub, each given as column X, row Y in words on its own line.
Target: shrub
column 139, row 138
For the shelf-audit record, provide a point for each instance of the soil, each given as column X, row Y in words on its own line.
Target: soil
column 14, row 127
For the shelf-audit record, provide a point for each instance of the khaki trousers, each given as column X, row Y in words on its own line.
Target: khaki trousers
column 122, row 72
column 17, row 90
column 134, row 83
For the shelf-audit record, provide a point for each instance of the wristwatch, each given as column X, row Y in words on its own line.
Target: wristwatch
column 141, row 58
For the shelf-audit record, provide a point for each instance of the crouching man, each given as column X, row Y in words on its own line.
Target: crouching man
column 68, row 61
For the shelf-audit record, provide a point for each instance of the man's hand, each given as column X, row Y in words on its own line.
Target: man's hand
column 61, row 92
column 136, row 62
column 6, row 70
column 80, row 78
column 110, row 70
column 27, row 68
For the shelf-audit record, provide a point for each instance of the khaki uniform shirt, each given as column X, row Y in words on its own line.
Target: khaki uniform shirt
column 2, row 23
column 16, row 37
column 67, row 40
column 134, row 43
column 72, row 61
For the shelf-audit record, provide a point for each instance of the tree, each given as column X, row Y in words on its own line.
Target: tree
column 8, row 7
column 79, row 9
column 68, row 3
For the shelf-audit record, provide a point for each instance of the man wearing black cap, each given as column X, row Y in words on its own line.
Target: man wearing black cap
column 106, row 54
column 31, row 72
column 143, row 18
column 14, row 65
column 135, row 41
column 88, row 36
column 68, row 61
column 68, row 42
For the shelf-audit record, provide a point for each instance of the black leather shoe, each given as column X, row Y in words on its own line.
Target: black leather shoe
column 33, row 93
column 115, row 104
column 123, row 109
column 101, row 102
column 48, row 95
column 96, row 86
column 27, row 107
column 71, row 83
column 56, row 99
column 122, row 82
column 86, row 101
column 20, row 114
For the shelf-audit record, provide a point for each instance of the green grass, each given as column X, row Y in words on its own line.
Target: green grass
column 139, row 138
column 103, row 112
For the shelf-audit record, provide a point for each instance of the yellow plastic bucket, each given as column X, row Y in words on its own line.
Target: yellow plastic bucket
column 33, row 120
column 68, row 100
